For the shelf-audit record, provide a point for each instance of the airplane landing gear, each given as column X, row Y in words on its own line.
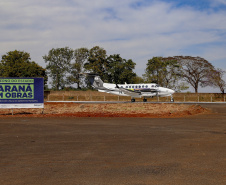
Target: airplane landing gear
column 172, row 100
column 132, row 100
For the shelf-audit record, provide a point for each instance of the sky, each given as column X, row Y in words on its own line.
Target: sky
column 135, row 29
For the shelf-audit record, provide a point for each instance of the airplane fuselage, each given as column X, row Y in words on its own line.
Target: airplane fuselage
column 140, row 90
column 134, row 90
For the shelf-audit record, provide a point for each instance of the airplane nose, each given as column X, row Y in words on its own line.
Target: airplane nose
column 172, row 91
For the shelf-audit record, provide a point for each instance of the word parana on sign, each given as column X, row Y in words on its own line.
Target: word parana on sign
column 18, row 91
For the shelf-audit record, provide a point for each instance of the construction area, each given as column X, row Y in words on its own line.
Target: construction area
column 114, row 150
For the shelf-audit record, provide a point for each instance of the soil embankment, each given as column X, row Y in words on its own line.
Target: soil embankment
column 108, row 110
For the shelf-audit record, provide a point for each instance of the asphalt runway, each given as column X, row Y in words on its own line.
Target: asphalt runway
column 96, row 151
column 153, row 102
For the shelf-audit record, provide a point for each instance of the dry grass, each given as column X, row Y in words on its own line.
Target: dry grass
column 98, row 96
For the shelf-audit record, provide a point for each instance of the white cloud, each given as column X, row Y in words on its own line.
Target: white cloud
column 218, row 2
column 137, row 32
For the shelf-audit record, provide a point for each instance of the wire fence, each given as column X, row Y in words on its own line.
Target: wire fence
column 97, row 96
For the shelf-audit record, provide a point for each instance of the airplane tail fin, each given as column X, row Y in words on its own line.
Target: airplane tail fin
column 95, row 81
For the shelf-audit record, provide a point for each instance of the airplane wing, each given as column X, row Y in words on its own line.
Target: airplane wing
column 104, row 89
column 101, row 88
column 130, row 92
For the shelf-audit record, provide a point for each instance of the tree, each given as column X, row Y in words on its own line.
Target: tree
column 128, row 75
column 154, row 71
column 215, row 79
column 97, row 62
column 163, row 71
column 138, row 80
column 195, row 70
column 80, row 57
column 120, row 70
column 19, row 64
column 58, row 66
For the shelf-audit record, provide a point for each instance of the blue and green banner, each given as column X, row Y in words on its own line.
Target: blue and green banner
column 21, row 93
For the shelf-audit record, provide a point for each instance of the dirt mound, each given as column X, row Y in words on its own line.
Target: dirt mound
column 108, row 110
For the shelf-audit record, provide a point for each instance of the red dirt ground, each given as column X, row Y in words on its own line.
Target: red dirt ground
column 108, row 110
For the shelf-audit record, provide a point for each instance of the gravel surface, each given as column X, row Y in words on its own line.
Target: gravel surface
column 109, row 150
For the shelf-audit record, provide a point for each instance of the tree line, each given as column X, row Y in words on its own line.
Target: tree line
column 65, row 67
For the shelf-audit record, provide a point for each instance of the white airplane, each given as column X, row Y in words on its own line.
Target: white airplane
column 145, row 90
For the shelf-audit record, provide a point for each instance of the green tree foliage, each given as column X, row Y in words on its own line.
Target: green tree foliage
column 155, row 70
column 58, row 65
column 163, row 71
column 111, row 68
column 80, row 58
column 120, row 70
column 19, row 64
column 138, row 80
column 97, row 62
column 215, row 79
column 195, row 70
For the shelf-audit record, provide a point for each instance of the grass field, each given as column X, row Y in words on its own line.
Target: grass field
column 98, row 96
